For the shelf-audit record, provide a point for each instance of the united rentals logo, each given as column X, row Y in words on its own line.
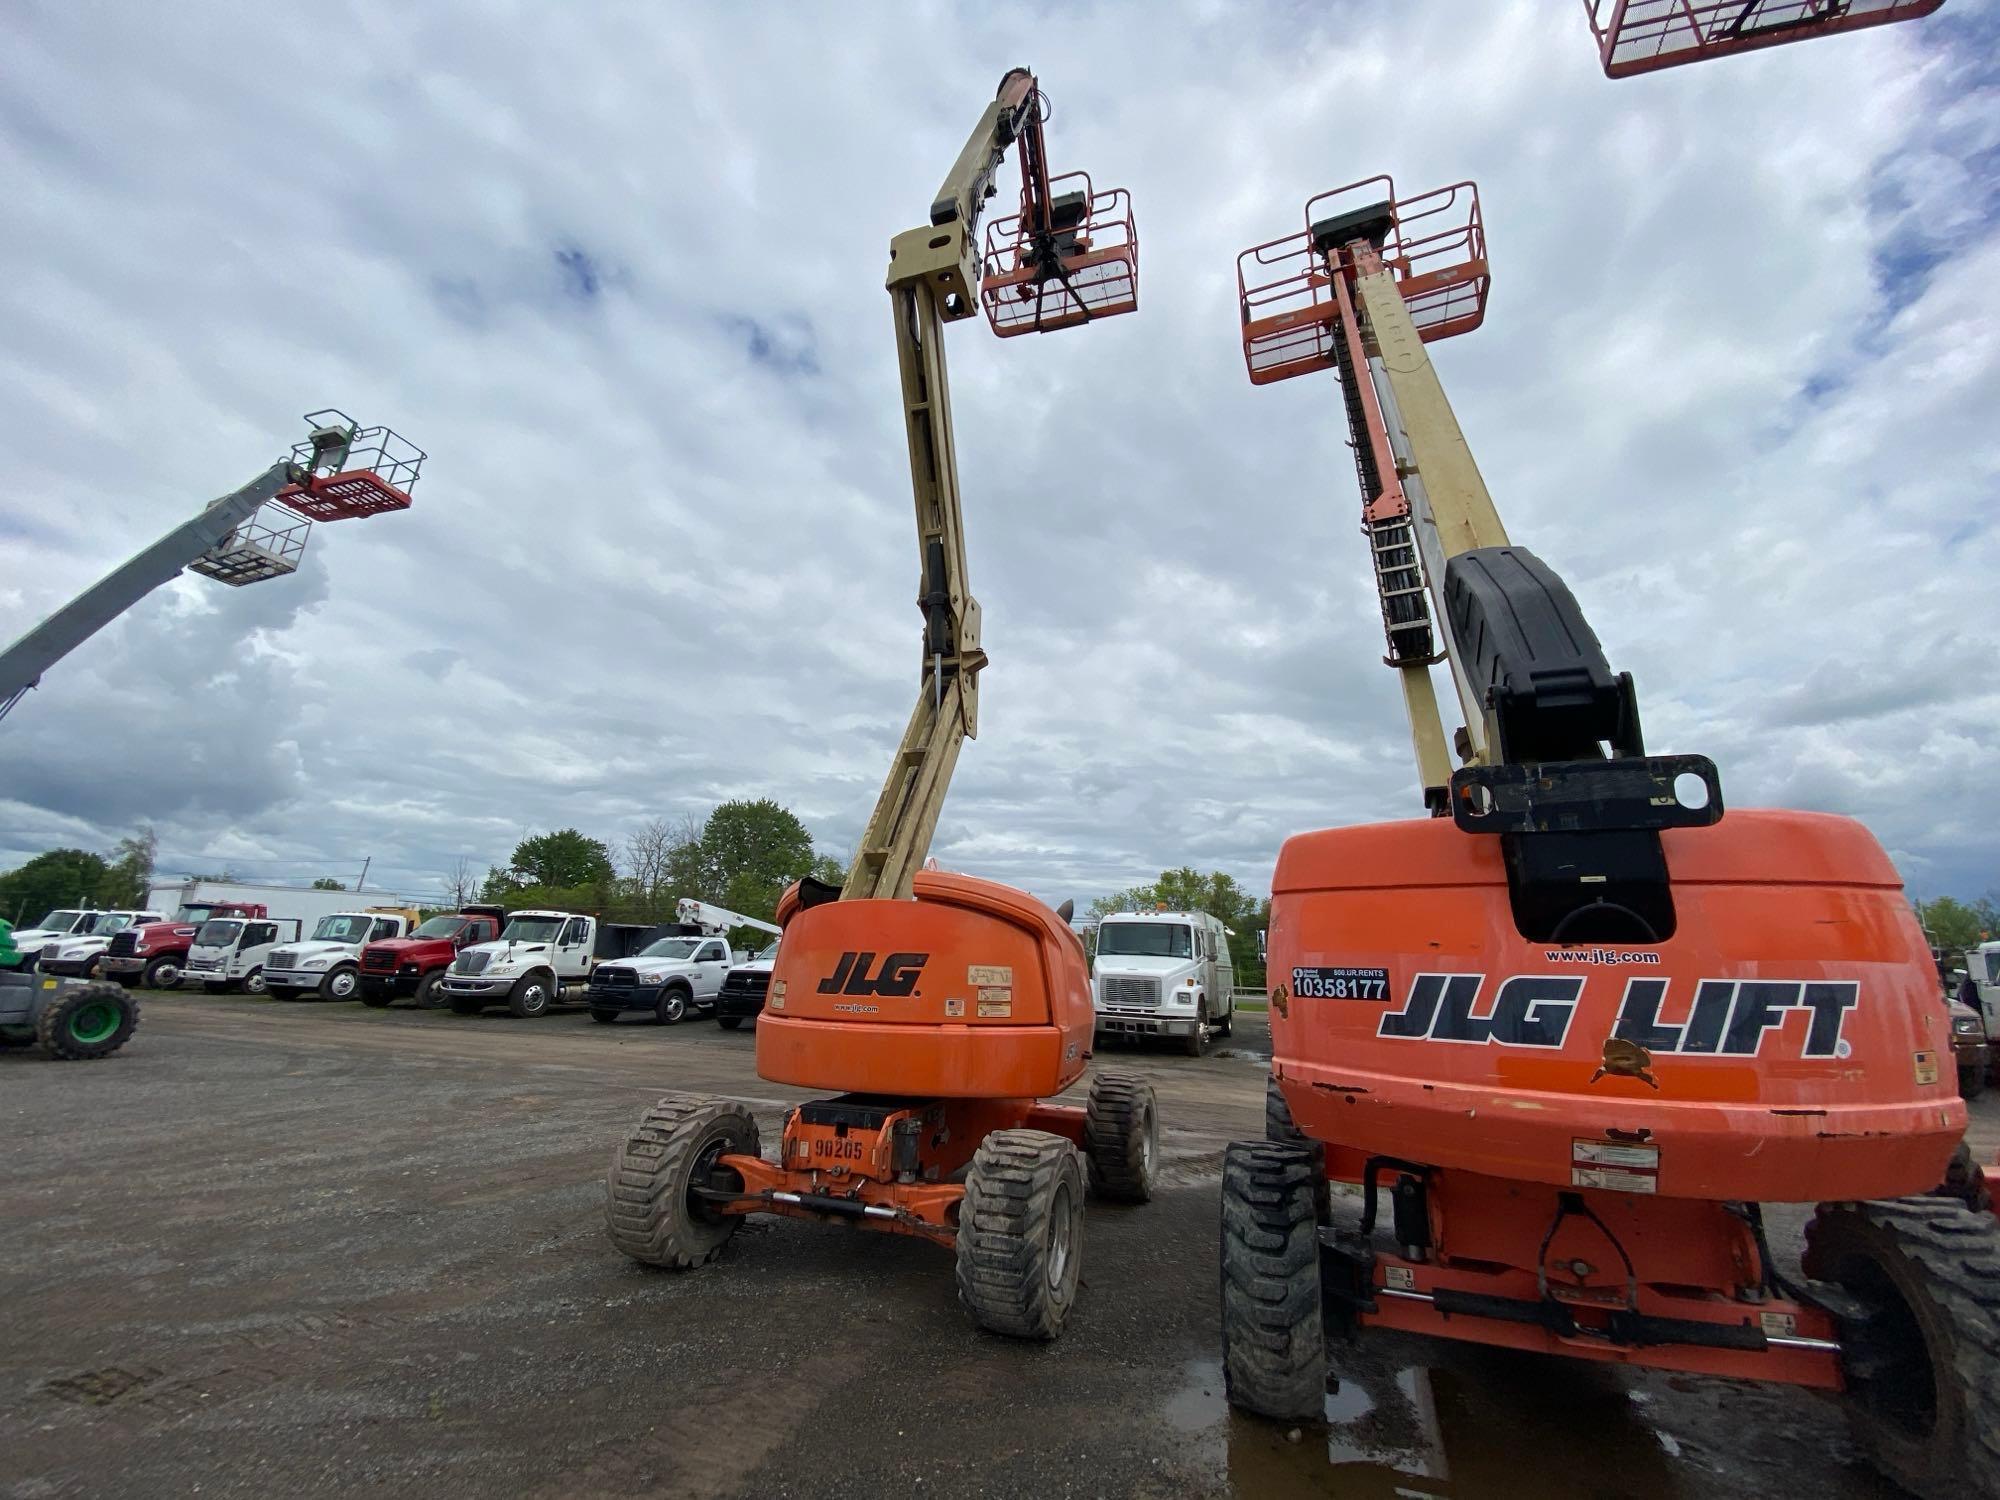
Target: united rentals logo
column 897, row 977
column 1725, row 1018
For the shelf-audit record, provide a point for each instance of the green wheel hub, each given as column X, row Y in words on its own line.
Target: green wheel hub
column 93, row 1021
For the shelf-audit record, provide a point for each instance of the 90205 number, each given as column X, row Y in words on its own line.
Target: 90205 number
column 1341, row 984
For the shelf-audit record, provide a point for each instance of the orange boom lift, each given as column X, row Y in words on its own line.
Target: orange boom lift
column 1564, row 1037
column 940, row 1010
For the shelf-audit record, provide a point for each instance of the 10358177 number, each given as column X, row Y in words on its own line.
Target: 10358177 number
column 1340, row 984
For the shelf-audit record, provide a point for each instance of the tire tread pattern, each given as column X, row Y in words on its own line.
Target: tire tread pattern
column 1119, row 1126
column 1273, row 1340
column 1003, row 1233
column 645, row 1201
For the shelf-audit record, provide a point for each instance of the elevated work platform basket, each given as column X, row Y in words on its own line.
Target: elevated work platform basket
column 268, row 545
column 1087, row 268
column 371, row 475
column 1643, row 36
column 1434, row 244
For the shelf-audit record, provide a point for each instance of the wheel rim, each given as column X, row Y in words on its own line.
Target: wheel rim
column 1149, row 1142
column 341, row 986
column 535, row 998
column 1062, row 1231
column 93, row 1021
column 254, row 981
column 166, row 976
column 672, row 1008
column 704, row 1174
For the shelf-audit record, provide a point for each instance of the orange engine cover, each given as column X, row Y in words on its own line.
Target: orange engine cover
column 974, row 990
column 1788, row 1043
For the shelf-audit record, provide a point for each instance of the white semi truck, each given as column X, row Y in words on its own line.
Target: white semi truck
column 1164, row 974
column 52, row 928
column 81, row 954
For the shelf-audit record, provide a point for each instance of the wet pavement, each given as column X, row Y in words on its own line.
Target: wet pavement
column 284, row 1249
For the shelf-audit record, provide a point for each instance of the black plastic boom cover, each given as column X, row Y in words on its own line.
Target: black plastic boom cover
column 1534, row 660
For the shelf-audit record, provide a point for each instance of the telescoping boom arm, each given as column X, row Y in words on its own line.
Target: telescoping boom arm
column 718, row 918
column 24, row 662
column 1067, row 256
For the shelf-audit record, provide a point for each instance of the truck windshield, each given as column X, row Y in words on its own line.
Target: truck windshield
column 532, row 930
column 669, row 948
column 769, row 955
column 109, row 922
column 1145, row 940
column 343, row 929
column 218, row 932
column 439, row 927
column 59, row 921
column 1992, row 967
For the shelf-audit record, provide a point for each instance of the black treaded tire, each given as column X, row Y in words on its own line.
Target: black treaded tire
column 729, row 1023
column 1121, row 1137
column 1195, row 1043
column 466, row 1005
column 427, row 994
column 1228, row 1025
column 1273, row 1339
column 1922, row 1398
column 602, row 1016
column 673, row 1006
column 648, row 1210
column 68, row 1029
column 375, row 995
column 532, row 995
column 1020, row 1234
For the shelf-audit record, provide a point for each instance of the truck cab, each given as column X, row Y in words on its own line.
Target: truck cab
column 744, row 989
column 154, row 954
column 81, row 954
column 1982, row 964
column 392, row 968
column 53, row 927
column 328, row 964
column 537, row 955
column 667, row 978
column 229, row 952
column 1164, row 974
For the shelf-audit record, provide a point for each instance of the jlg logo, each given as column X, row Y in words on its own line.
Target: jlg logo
column 1725, row 1017
column 897, row 976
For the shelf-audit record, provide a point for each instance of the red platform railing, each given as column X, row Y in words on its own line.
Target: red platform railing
column 1643, row 36
column 1099, row 260
column 375, row 474
column 1435, row 247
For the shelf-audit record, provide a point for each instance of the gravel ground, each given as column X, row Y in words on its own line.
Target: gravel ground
column 293, row 1249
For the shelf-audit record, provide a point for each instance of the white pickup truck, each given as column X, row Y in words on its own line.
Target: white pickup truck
column 328, row 964
column 682, row 971
column 229, row 952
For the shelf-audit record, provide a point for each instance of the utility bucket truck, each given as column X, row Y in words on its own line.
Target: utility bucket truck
column 1564, row 1037
column 938, row 1013
column 680, row 971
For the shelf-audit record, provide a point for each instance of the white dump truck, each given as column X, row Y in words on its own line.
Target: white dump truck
column 1164, row 974
column 327, row 965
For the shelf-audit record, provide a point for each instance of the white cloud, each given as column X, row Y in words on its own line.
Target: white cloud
column 663, row 552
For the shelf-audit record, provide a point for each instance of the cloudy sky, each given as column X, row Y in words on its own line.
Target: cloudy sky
column 618, row 268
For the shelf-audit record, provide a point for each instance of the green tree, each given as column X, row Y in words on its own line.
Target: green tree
column 327, row 883
column 1951, row 924
column 564, row 859
column 745, row 856
column 60, row 877
column 129, row 874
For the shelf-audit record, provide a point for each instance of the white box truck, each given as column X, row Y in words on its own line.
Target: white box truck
column 229, row 952
column 1164, row 974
